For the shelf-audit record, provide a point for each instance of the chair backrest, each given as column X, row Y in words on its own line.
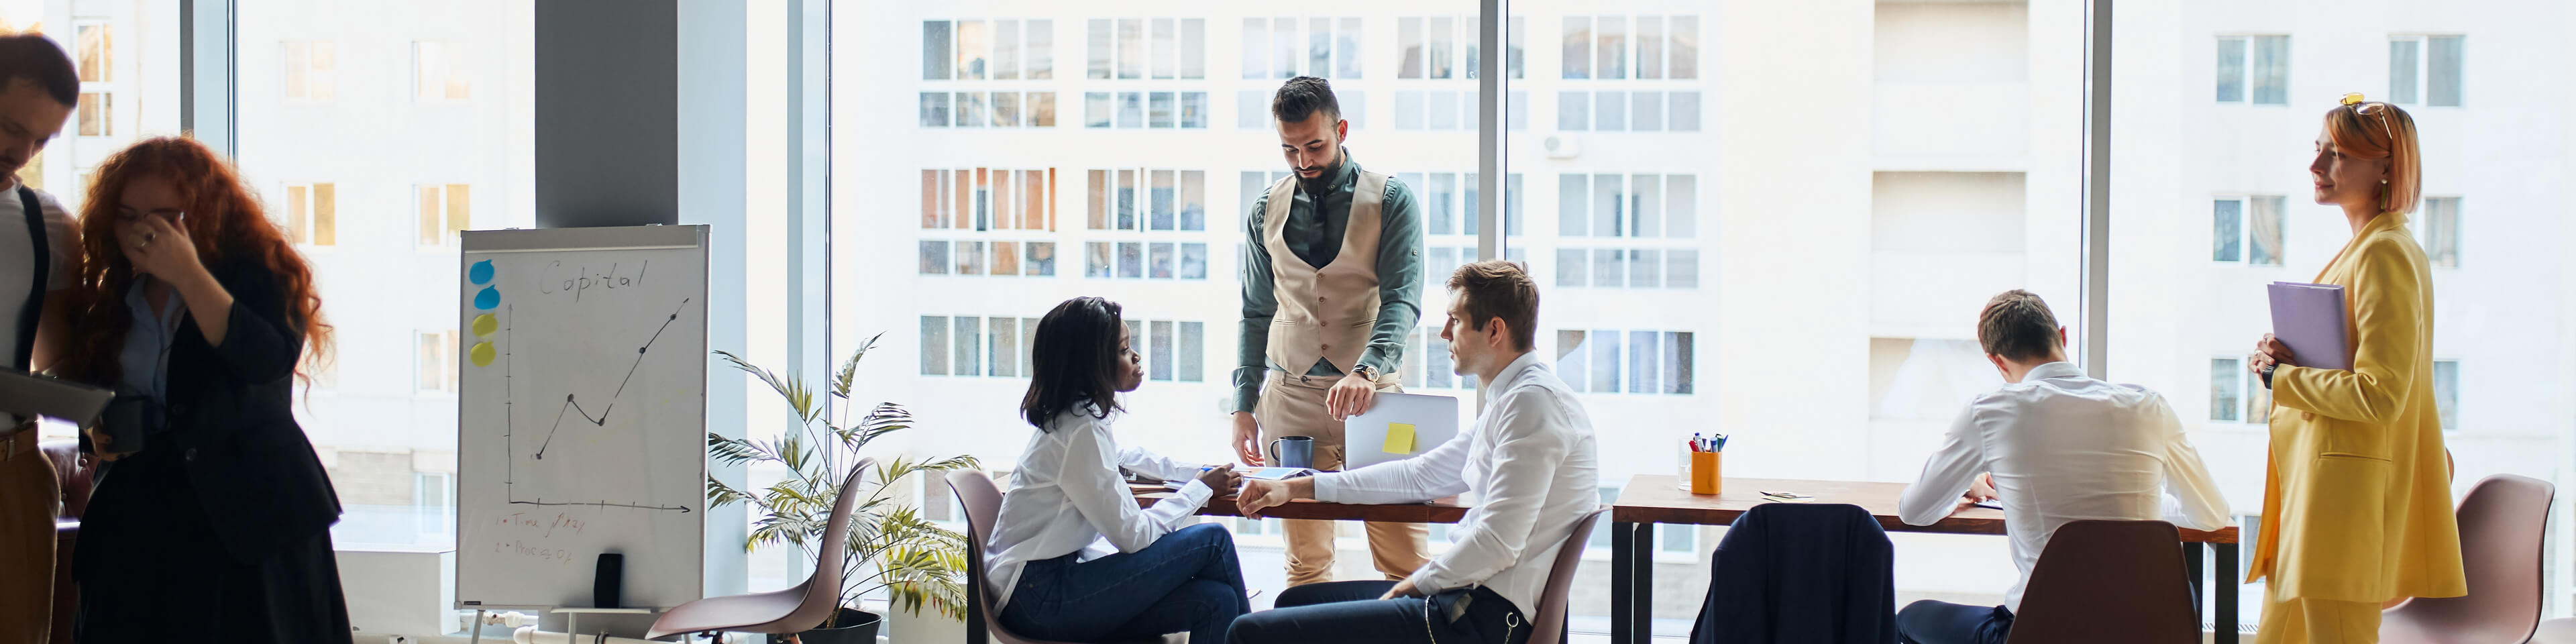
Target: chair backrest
column 2501, row 523
column 1549, row 623
column 2109, row 582
column 983, row 502
column 823, row 589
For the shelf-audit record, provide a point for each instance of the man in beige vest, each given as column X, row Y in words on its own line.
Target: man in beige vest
column 1332, row 284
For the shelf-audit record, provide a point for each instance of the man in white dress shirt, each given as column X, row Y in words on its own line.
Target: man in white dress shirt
column 38, row 254
column 1529, row 461
column 2051, row 446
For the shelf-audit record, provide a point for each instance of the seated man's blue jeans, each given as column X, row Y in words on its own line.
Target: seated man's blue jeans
column 1188, row 581
column 1931, row 622
column 1349, row 612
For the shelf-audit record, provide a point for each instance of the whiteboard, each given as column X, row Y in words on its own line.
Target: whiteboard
column 581, row 418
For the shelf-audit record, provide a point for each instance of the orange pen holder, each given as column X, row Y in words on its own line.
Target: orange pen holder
column 1706, row 471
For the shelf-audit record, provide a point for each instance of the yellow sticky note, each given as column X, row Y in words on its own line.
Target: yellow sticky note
column 1399, row 438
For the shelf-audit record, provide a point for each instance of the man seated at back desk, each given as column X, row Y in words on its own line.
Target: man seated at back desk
column 1529, row 460
column 2053, row 446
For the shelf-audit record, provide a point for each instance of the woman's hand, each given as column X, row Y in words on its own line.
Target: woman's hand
column 2269, row 352
column 161, row 250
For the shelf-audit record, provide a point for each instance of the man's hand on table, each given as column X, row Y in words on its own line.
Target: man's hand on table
column 1220, row 478
column 1258, row 495
column 1980, row 490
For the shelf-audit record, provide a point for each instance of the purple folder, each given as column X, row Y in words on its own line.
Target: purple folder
column 2310, row 318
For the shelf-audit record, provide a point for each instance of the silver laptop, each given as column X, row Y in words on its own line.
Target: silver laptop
column 1430, row 421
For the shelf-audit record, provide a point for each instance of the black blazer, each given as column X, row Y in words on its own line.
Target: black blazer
column 1802, row 574
column 232, row 420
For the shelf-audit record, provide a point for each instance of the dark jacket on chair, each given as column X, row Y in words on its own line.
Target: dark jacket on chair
column 1801, row 574
column 232, row 419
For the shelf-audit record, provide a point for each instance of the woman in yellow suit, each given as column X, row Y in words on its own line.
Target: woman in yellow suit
column 2357, row 502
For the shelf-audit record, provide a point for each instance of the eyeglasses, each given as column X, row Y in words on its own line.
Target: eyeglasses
column 2363, row 107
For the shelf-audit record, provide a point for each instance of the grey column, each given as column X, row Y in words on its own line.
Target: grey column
column 608, row 114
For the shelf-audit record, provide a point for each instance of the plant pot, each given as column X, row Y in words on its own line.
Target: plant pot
column 852, row 627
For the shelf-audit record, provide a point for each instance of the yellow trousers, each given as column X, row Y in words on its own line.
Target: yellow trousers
column 2317, row 621
column 1294, row 406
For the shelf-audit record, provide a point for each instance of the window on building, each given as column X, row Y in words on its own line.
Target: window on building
column 2446, row 393
column 445, row 209
column 998, row 347
column 2246, row 229
column 2271, row 70
column 1651, row 362
column 1628, row 231
column 93, row 52
column 2263, row 234
column 2425, row 70
column 2231, row 69
column 438, row 71
column 2438, row 229
column 434, row 493
column 310, row 214
column 94, row 46
column 437, row 362
column 95, row 113
column 2227, row 231
column 2226, row 388
column 308, row 73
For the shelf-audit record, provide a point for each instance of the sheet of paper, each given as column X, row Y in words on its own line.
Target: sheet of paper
column 1399, row 438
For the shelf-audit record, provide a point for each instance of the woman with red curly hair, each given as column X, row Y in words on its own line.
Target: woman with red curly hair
column 212, row 514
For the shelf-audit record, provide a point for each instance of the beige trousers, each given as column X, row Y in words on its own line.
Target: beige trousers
column 1294, row 406
column 28, row 496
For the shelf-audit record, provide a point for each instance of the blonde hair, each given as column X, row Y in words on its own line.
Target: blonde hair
column 2376, row 130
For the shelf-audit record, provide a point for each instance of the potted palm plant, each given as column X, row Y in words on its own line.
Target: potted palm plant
column 890, row 546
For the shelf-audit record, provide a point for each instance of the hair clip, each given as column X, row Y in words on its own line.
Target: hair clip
column 2353, row 99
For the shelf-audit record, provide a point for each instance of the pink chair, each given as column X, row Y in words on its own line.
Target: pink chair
column 1549, row 626
column 781, row 612
column 983, row 503
column 2501, row 521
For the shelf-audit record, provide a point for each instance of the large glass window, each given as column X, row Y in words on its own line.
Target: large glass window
column 1142, row 190
column 320, row 97
column 2181, row 322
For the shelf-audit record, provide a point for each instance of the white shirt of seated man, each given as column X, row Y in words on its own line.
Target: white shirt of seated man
column 1529, row 461
column 2053, row 446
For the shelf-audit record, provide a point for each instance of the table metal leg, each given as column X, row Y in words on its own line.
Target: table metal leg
column 2191, row 553
column 1623, row 552
column 2227, row 583
column 1641, row 610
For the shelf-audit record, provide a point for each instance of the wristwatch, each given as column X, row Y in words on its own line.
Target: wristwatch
column 2267, row 375
column 1365, row 372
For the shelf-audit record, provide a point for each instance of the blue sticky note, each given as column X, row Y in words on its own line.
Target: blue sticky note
column 481, row 273
column 489, row 298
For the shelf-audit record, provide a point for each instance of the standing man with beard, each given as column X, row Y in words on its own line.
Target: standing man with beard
column 38, row 256
column 1332, row 283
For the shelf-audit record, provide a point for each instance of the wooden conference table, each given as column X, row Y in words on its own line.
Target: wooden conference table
column 1650, row 499
column 1441, row 511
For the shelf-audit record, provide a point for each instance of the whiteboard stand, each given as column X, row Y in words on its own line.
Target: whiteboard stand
column 572, row 616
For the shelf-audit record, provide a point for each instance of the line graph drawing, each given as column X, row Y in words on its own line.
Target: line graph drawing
column 571, row 403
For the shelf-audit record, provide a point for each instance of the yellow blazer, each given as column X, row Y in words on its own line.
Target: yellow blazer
column 2357, row 501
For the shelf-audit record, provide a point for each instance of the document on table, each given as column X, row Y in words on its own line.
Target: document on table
column 2310, row 319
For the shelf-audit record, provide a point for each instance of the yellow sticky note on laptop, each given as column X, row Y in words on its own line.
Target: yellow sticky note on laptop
column 1399, row 438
